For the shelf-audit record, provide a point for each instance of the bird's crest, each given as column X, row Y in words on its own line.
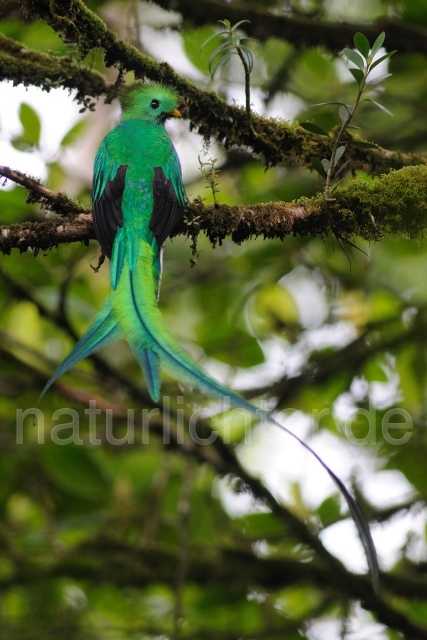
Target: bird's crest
column 152, row 102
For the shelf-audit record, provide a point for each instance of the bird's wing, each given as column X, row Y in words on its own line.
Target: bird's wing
column 108, row 186
column 169, row 198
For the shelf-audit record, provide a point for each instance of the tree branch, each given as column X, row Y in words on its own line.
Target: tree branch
column 393, row 205
column 46, row 235
column 274, row 141
column 36, row 68
column 49, row 200
column 299, row 30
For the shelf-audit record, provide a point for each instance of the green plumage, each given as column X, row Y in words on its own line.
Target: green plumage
column 124, row 198
column 138, row 198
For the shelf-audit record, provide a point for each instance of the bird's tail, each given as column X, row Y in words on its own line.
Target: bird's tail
column 102, row 332
column 135, row 308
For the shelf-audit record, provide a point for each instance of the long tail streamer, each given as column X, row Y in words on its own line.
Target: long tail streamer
column 131, row 312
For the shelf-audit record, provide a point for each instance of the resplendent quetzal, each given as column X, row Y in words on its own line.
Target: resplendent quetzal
column 138, row 199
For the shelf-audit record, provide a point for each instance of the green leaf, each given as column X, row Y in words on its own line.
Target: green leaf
column 378, row 44
column 214, row 35
column 229, row 344
column 31, row 124
column 194, row 41
column 249, row 57
column 380, row 106
column 339, row 153
column 329, row 511
column 341, row 169
column 73, row 134
column 323, row 104
column 222, row 47
column 259, row 525
column 313, row 128
column 318, row 166
column 221, row 62
column 274, row 306
column 377, row 62
column 363, row 145
column 226, row 24
column 343, row 113
column 217, row 51
column 355, row 58
column 378, row 80
column 325, row 163
column 361, row 43
column 237, row 25
column 358, row 75
column 77, row 470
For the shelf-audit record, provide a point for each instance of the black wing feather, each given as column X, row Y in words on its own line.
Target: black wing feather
column 167, row 210
column 107, row 211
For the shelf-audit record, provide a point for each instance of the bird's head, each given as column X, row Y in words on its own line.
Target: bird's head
column 149, row 102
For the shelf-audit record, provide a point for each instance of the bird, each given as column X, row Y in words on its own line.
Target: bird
column 138, row 200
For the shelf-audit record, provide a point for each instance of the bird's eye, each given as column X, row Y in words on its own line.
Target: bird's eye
column 154, row 104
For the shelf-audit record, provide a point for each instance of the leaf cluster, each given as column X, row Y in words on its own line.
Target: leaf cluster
column 366, row 59
column 232, row 46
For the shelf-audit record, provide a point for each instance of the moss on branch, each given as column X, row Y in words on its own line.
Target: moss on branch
column 47, row 234
column 394, row 205
column 49, row 200
column 26, row 66
column 273, row 140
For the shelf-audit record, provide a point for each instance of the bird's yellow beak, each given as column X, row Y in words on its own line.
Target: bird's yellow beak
column 174, row 113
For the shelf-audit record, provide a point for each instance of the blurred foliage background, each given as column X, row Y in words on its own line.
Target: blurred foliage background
column 105, row 535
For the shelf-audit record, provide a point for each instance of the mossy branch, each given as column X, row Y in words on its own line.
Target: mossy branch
column 47, row 234
column 49, row 200
column 274, row 141
column 394, row 205
column 29, row 67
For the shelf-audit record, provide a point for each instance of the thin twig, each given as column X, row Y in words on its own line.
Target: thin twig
column 57, row 202
column 247, row 81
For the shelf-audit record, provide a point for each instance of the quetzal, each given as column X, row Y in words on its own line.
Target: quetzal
column 138, row 199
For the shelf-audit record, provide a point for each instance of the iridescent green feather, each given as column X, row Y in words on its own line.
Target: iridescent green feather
column 138, row 147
